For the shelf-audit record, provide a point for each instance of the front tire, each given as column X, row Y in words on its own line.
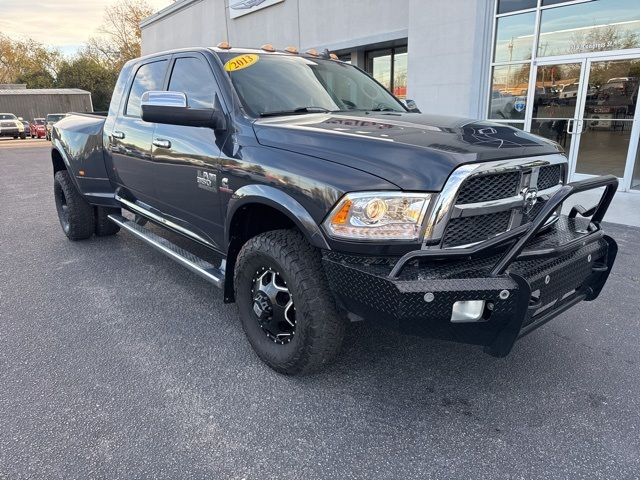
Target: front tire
column 285, row 305
column 75, row 214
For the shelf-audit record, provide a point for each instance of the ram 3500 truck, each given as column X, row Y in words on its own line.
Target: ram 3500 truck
column 328, row 201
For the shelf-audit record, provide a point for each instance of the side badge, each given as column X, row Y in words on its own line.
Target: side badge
column 206, row 180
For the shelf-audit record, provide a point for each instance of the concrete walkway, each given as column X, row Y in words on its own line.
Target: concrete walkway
column 625, row 208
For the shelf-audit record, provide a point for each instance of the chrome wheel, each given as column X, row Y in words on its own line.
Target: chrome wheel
column 273, row 306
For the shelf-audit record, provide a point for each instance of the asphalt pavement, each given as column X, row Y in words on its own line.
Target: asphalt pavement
column 117, row 363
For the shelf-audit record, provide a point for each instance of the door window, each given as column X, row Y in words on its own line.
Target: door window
column 148, row 77
column 193, row 77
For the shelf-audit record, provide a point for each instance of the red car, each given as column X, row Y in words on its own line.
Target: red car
column 38, row 128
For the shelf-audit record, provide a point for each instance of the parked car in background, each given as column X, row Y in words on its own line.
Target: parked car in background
column 10, row 126
column 50, row 120
column 501, row 104
column 27, row 126
column 38, row 129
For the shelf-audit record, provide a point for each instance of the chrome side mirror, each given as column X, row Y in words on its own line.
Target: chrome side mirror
column 172, row 108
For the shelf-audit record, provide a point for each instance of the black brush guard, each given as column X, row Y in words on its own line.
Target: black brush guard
column 515, row 269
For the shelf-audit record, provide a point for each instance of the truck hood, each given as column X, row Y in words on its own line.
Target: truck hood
column 413, row 151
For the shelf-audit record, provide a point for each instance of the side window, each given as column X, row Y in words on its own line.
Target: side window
column 194, row 78
column 148, row 77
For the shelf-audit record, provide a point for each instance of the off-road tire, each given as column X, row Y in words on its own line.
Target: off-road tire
column 78, row 221
column 104, row 226
column 319, row 328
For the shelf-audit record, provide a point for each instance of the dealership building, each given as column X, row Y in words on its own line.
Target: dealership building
column 567, row 70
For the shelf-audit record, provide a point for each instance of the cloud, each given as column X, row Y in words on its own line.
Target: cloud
column 63, row 23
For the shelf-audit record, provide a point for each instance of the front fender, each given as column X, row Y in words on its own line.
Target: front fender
column 272, row 197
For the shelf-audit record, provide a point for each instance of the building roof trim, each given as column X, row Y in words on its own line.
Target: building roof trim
column 44, row 91
column 167, row 11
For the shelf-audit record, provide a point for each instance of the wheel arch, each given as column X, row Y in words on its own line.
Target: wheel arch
column 255, row 209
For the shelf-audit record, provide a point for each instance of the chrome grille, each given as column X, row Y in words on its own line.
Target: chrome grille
column 490, row 187
column 549, row 176
column 7, row 124
column 484, row 200
column 466, row 230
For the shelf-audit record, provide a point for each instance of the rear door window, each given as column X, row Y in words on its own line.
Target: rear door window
column 148, row 77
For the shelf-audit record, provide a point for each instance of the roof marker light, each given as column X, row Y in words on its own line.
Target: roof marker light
column 334, row 56
column 267, row 47
column 313, row 52
column 224, row 45
column 293, row 50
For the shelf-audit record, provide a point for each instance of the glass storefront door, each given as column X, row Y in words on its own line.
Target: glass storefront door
column 588, row 106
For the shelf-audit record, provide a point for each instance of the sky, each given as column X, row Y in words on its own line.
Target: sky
column 65, row 24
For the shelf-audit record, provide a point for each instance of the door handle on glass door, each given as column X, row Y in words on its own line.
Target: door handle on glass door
column 161, row 143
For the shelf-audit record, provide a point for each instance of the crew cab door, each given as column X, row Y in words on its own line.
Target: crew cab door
column 130, row 140
column 187, row 159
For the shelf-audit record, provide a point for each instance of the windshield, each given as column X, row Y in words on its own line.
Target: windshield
column 54, row 117
column 270, row 85
column 7, row 116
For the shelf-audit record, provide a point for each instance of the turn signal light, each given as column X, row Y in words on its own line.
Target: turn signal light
column 340, row 217
column 293, row 50
column 267, row 47
column 224, row 45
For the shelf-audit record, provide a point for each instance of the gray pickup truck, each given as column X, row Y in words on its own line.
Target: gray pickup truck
column 325, row 200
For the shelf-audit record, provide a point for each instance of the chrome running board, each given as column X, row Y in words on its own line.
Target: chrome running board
column 187, row 259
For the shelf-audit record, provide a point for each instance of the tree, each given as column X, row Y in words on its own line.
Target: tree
column 88, row 74
column 121, row 38
column 27, row 62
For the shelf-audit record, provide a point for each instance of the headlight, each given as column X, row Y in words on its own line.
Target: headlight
column 378, row 216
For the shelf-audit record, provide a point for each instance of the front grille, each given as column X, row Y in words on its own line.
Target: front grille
column 549, row 176
column 7, row 124
column 489, row 187
column 465, row 230
column 494, row 201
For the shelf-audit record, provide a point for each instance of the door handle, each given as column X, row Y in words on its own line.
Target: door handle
column 161, row 143
column 118, row 134
column 570, row 123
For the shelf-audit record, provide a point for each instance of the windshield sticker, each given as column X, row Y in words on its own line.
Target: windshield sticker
column 241, row 61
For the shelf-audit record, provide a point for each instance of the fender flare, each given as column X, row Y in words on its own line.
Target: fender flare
column 277, row 199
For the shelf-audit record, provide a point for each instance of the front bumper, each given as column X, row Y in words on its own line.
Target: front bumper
column 10, row 132
column 525, row 279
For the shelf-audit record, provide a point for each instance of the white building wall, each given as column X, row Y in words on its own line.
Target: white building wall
column 449, row 49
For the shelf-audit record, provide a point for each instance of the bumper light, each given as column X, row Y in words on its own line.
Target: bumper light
column 467, row 311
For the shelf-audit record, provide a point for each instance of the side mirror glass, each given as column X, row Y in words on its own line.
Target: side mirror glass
column 411, row 106
column 172, row 108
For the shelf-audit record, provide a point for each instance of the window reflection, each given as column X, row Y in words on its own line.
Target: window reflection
column 514, row 37
column 509, row 91
column 590, row 27
column 506, row 6
column 556, row 90
column 389, row 67
column 613, row 89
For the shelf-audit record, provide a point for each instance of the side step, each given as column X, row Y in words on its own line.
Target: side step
column 195, row 264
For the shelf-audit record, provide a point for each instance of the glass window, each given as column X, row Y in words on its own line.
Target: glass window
column 400, row 73
column 509, row 91
column 278, row 84
column 193, row 77
column 389, row 67
column 506, row 6
column 514, row 37
column 148, row 77
column 590, row 27
column 379, row 66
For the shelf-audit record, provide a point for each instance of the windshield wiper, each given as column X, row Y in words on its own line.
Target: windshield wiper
column 296, row 111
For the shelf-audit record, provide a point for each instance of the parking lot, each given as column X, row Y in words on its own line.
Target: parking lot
column 117, row 363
